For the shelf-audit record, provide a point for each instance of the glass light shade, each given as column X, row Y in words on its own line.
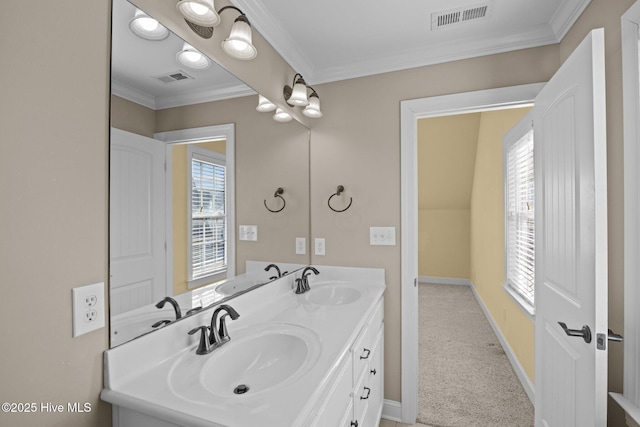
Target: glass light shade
column 239, row 45
column 143, row 26
column 299, row 94
column 192, row 58
column 282, row 116
column 313, row 109
column 264, row 105
column 200, row 12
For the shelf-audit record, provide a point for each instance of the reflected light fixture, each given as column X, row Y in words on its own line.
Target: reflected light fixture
column 264, row 105
column 201, row 17
column 144, row 26
column 296, row 96
column 192, row 58
column 199, row 12
column 281, row 116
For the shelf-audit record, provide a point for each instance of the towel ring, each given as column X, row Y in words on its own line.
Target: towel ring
column 337, row 193
column 278, row 193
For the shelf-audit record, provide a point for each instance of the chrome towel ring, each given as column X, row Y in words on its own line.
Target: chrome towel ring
column 337, row 193
column 278, row 193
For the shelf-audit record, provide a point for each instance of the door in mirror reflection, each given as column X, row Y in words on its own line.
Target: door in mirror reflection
column 137, row 221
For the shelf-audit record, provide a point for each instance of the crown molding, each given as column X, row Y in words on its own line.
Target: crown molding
column 264, row 21
column 180, row 100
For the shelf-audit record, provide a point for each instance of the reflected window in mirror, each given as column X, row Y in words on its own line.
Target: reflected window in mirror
column 207, row 219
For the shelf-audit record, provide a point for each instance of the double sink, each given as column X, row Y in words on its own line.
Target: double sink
column 284, row 348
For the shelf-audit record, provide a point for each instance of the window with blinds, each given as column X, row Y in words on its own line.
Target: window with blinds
column 208, row 218
column 519, row 212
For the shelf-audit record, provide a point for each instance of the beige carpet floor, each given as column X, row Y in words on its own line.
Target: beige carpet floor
column 465, row 377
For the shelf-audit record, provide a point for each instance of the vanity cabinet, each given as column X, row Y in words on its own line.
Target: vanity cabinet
column 356, row 396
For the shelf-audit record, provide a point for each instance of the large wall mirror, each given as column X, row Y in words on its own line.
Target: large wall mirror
column 193, row 169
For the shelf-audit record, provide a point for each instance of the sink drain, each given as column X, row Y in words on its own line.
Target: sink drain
column 241, row 389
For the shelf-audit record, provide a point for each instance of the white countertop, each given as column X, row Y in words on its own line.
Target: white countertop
column 137, row 373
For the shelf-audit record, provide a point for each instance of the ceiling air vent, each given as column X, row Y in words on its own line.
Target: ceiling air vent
column 459, row 15
column 174, row 77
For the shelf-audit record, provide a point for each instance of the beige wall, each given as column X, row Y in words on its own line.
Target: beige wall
column 53, row 214
column 487, row 236
column 132, row 117
column 180, row 196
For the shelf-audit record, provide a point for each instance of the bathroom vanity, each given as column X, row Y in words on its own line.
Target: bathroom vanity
column 310, row 359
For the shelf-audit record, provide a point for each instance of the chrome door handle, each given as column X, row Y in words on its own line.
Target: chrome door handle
column 585, row 332
column 614, row 337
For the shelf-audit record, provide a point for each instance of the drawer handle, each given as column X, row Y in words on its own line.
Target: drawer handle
column 354, row 423
column 373, row 371
column 365, row 356
column 368, row 393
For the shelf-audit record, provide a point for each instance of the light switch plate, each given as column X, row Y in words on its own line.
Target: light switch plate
column 249, row 233
column 301, row 245
column 382, row 236
column 88, row 308
column 320, row 246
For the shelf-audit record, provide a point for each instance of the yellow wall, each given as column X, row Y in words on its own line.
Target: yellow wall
column 446, row 160
column 487, row 236
column 179, row 170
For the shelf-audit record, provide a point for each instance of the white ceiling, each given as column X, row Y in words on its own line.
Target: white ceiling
column 333, row 40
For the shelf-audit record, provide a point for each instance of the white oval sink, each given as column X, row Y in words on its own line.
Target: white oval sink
column 256, row 360
column 333, row 295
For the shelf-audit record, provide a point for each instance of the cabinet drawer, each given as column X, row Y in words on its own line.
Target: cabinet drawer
column 363, row 347
column 361, row 396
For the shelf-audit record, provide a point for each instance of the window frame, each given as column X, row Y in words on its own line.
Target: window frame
column 195, row 152
column 509, row 140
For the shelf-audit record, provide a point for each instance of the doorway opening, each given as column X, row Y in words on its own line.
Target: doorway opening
column 466, row 378
column 411, row 112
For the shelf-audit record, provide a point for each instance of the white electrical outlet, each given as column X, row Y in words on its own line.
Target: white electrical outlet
column 301, row 245
column 88, row 308
column 384, row 236
column 320, row 246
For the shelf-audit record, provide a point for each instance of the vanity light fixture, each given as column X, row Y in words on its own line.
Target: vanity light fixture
column 281, row 116
column 238, row 45
column 199, row 12
column 201, row 16
column 144, row 26
column 264, row 105
column 296, row 96
column 192, row 58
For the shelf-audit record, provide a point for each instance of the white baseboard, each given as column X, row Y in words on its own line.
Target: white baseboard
column 444, row 280
column 392, row 410
column 517, row 367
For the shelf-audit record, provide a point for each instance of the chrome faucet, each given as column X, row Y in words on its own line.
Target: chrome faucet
column 212, row 337
column 302, row 284
column 174, row 303
column 219, row 336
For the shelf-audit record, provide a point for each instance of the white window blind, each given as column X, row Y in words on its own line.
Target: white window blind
column 520, row 227
column 208, row 218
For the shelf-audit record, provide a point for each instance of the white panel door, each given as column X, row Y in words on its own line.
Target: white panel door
column 571, row 241
column 137, row 221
